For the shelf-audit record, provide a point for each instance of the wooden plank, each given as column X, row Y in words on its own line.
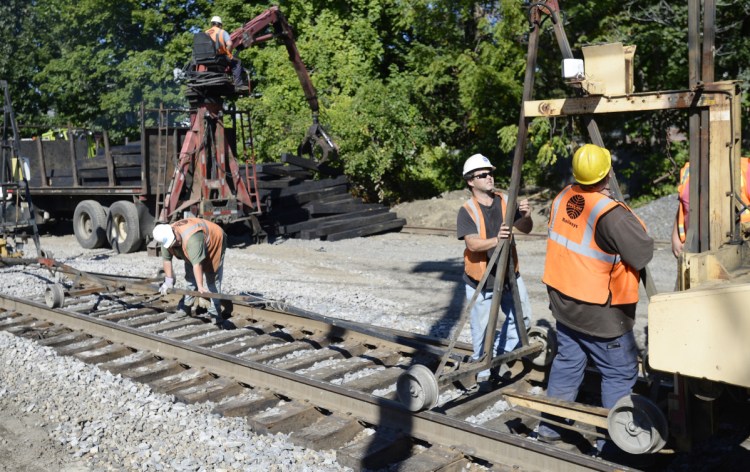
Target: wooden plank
column 398, row 223
column 327, row 433
column 346, row 224
column 285, row 418
column 299, row 161
column 375, row 381
column 312, row 223
column 306, row 196
column 151, row 372
column 282, row 170
column 277, row 183
column 315, row 185
column 432, row 459
column 242, row 406
column 347, row 349
column 374, row 452
column 104, row 354
column 85, row 345
column 330, row 208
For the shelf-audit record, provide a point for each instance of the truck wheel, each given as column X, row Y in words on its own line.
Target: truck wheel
column 89, row 224
column 123, row 229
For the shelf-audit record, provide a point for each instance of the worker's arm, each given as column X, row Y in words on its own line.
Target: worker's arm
column 524, row 224
column 677, row 245
column 198, row 273
column 620, row 232
column 228, row 41
column 196, row 254
column 168, row 272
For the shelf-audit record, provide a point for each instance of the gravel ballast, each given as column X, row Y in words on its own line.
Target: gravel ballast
column 98, row 421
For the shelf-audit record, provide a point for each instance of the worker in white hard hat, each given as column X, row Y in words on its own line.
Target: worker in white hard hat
column 201, row 244
column 480, row 225
column 595, row 250
column 224, row 46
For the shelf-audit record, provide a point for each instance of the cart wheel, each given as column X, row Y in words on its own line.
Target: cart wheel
column 54, row 295
column 637, row 425
column 548, row 339
column 417, row 388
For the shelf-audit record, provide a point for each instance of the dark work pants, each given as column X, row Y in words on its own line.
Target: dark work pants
column 616, row 359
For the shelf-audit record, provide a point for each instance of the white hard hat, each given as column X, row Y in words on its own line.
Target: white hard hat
column 217, row 19
column 477, row 161
column 164, row 235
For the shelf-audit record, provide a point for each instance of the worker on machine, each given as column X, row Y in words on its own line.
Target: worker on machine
column 480, row 224
column 681, row 219
column 595, row 250
column 201, row 244
column 224, row 46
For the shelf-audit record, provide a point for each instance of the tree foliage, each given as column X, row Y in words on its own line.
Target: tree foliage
column 408, row 88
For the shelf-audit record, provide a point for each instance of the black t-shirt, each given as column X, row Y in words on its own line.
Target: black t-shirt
column 493, row 219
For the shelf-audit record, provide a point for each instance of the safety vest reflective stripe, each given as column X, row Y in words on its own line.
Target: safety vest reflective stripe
column 584, row 247
column 575, row 265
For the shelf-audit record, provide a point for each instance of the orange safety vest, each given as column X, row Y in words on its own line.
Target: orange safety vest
column 744, row 189
column 217, row 34
column 475, row 263
column 683, row 194
column 575, row 265
column 214, row 239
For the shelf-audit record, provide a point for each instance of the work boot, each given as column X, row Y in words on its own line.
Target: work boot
column 178, row 315
column 546, row 434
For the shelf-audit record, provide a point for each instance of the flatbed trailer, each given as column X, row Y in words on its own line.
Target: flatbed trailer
column 115, row 196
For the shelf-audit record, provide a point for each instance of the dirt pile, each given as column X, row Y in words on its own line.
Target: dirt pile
column 440, row 212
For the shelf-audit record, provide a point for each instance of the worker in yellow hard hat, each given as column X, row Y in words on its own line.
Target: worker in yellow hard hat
column 595, row 251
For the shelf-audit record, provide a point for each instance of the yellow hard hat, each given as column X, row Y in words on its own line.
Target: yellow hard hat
column 591, row 164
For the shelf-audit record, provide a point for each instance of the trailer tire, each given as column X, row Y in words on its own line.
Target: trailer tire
column 123, row 227
column 90, row 224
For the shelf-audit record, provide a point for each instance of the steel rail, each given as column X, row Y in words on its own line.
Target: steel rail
column 494, row 446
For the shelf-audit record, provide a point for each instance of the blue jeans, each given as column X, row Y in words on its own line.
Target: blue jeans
column 213, row 283
column 507, row 338
column 615, row 358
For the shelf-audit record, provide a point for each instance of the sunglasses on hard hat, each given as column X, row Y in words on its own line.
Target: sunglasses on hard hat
column 483, row 175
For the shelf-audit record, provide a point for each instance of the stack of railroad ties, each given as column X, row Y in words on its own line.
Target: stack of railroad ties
column 301, row 198
column 299, row 205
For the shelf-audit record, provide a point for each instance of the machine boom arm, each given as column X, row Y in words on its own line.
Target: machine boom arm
column 256, row 31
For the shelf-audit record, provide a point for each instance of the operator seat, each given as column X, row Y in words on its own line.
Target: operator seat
column 204, row 54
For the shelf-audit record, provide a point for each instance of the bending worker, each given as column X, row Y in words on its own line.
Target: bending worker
column 480, row 224
column 224, row 45
column 201, row 244
column 595, row 251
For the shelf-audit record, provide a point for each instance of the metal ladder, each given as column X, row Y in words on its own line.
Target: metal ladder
column 10, row 139
column 163, row 151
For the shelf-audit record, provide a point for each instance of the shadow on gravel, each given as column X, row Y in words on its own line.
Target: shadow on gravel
column 451, row 272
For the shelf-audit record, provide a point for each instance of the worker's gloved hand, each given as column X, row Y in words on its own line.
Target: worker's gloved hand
column 168, row 283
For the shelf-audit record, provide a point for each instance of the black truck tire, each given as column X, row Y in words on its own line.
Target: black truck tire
column 90, row 224
column 123, row 227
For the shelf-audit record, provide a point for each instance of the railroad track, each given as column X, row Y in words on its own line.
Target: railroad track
column 327, row 381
